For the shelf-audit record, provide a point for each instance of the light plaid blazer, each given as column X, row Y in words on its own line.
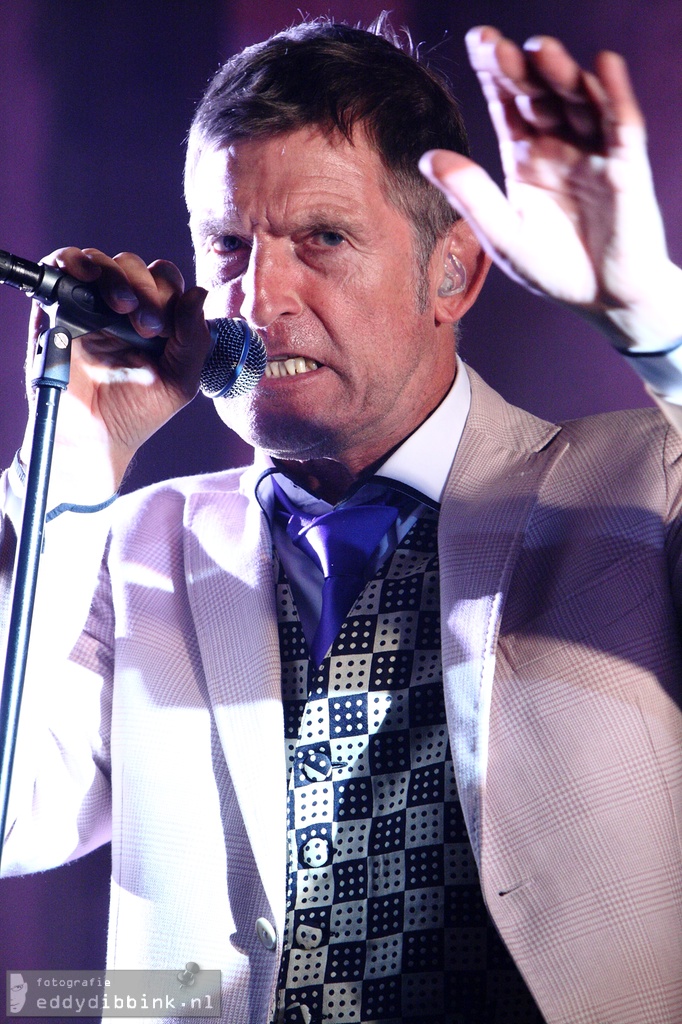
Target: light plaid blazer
column 562, row 666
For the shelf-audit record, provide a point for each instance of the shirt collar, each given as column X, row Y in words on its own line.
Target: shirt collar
column 422, row 461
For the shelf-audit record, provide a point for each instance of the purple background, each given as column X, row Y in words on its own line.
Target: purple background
column 95, row 99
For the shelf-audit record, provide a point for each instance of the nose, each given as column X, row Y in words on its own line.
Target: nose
column 270, row 284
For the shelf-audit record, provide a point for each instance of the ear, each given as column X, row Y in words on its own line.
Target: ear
column 463, row 244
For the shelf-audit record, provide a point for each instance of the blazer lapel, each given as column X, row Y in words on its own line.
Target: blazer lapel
column 232, row 596
column 491, row 491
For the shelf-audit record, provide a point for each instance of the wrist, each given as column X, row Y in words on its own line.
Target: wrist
column 660, row 371
column 17, row 479
column 652, row 323
column 82, row 474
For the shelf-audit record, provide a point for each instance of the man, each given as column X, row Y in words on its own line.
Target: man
column 17, row 994
column 302, row 787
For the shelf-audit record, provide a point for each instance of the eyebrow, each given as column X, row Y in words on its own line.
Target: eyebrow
column 314, row 221
column 208, row 227
column 326, row 221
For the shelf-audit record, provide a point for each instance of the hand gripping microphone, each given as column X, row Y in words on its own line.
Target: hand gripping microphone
column 234, row 365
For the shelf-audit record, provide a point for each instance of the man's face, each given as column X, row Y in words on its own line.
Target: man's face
column 295, row 234
column 17, row 992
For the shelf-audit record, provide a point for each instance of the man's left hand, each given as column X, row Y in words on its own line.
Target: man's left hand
column 580, row 222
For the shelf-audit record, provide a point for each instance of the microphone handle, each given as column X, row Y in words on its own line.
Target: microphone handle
column 81, row 309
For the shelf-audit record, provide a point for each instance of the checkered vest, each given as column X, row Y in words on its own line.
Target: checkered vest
column 385, row 917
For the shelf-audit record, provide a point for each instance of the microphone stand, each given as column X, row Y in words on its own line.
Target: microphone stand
column 51, row 369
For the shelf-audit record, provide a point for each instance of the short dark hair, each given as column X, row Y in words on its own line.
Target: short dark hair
column 320, row 73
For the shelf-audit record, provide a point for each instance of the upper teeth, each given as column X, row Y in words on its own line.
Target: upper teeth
column 289, row 367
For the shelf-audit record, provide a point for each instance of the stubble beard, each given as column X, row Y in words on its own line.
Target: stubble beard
column 280, row 435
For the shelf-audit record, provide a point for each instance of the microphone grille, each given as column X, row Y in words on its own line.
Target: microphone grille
column 237, row 360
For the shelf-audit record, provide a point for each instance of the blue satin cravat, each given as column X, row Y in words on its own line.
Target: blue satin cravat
column 341, row 543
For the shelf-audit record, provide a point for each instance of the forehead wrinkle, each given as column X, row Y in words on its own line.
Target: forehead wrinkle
column 294, row 217
column 330, row 186
column 337, row 196
column 323, row 201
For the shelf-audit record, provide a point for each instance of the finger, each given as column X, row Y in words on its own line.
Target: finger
column 188, row 347
column 544, row 114
column 112, row 280
column 167, row 272
column 534, row 245
column 506, row 115
column 128, row 285
column 127, row 275
column 595, row 103
column 499, row 89
column 38, row 322
column 615, row 87
column 549, row 114
column 584, row 102
column 518, row 107
column 552, row 66
column 75, row 262
column 491, row 54
column 540, row 89
column 170, row 285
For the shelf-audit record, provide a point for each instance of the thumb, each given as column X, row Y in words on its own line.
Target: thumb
column 187, row 351
column 475, row 196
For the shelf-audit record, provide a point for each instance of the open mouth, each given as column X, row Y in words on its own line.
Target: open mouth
column 290, row 367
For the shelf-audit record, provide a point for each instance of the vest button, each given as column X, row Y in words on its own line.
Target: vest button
column 266, row 933
column 307, row 937
column 297, row 1015
column 315, row 853
column 317, row 767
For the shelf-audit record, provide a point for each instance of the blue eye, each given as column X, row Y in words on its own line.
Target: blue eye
column 226, row 244
column 331, row 238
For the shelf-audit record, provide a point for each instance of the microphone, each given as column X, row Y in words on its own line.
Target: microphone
column 234, row 365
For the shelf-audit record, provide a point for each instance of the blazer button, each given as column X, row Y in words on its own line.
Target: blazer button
column 266, row 933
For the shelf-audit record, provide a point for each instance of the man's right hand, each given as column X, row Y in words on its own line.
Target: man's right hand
column 119, row 396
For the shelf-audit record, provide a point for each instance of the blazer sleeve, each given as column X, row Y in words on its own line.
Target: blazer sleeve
column 59, row 805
